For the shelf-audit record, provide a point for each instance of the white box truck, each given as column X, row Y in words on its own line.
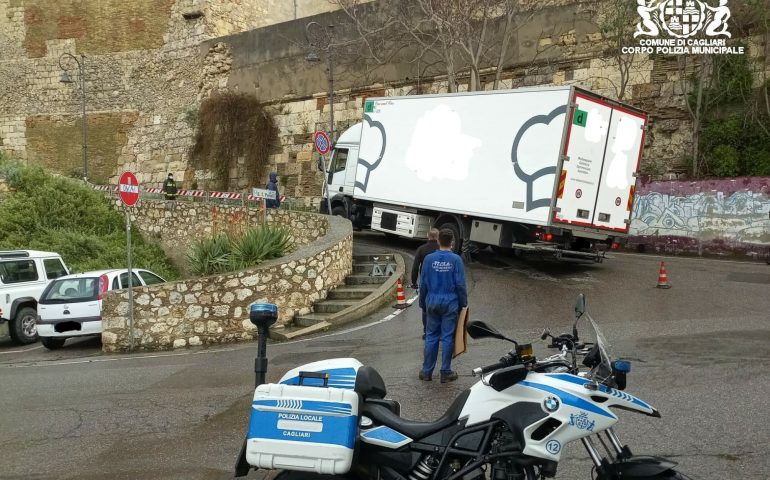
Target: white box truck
column 551, row 169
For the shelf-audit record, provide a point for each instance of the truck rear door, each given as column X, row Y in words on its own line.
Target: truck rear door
column 602, row 152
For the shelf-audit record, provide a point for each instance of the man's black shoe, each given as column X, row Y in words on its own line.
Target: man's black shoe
column 425, row 377
column 448, row 377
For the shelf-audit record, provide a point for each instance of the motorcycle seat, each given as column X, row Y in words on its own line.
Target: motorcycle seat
column 415, row 430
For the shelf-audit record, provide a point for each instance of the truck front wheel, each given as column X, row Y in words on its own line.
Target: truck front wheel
column 23, row 328
column 339, row 211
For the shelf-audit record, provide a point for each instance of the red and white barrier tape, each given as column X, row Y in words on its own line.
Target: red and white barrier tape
column 188, row 193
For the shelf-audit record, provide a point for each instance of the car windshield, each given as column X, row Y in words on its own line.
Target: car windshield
column 66, row 290
column 603, row 370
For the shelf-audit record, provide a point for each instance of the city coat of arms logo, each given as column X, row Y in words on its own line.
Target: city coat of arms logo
column 682, row 27
column 682, row 18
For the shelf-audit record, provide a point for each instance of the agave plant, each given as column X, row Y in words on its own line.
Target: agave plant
column 224, row 253
column 211, row 255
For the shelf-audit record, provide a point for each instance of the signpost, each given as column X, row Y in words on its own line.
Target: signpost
column 128, row 188
column 323, row 145
column 263, row 195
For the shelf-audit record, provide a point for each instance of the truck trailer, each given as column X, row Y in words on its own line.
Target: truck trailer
column 546, row 169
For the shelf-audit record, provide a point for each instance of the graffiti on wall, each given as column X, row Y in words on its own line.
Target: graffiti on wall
column 703, row 216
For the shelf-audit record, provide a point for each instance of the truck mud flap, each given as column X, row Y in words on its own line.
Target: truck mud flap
column 597, row 256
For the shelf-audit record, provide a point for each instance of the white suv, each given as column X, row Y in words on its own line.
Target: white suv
column 71, row 306
column 24, row 275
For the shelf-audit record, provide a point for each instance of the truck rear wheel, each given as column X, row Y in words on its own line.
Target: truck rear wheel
column 456, row 233
column 23, row 327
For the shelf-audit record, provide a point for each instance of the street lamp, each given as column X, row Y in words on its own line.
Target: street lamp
column 65, row 78
column 325, row 37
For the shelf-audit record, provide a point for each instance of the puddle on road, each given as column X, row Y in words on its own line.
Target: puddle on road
column 706, row 348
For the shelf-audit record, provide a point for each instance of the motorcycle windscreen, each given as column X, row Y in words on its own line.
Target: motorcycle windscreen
column 621, row 161
column 582, row 172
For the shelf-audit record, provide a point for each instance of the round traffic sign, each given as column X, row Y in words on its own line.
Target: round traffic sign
column 128, row 187
column 322, row 143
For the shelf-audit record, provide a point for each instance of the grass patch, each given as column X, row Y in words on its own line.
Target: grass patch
column 227, row 252
column 63, row 215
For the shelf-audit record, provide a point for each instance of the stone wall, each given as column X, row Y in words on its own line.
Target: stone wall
column 721, row 217
column 176, row 225
column 157, row 62
column 214, row 309
column 142, row 64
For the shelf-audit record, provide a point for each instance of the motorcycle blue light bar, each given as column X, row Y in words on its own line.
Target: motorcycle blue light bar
column 623, row 366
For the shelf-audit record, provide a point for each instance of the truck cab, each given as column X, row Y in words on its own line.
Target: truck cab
column 24, row 274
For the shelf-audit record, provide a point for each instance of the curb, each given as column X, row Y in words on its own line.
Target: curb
column 384, row 295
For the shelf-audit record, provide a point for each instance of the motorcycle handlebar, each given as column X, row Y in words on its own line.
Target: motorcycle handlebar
column 504, row 362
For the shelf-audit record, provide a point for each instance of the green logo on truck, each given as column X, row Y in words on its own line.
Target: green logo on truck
column 580, row 118
column 368, row 107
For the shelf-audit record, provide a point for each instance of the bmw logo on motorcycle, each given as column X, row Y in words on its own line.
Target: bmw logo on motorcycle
column 551, row 404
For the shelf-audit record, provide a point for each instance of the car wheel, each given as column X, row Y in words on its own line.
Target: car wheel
column 24, row 327
column 52, row 343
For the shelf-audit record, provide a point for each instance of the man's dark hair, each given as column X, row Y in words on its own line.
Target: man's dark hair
column 445, row 237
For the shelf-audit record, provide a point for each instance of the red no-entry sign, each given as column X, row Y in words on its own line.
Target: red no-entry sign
column 128, row 188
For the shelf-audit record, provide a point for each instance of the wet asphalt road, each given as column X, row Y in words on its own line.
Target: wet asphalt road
column 700, row 354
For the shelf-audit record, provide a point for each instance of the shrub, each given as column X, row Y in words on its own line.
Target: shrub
column 225, row 253
column 59, row 214
column 723, row 161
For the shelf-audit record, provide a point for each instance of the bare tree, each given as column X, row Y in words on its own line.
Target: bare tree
column 453, row 38
column 615, row 20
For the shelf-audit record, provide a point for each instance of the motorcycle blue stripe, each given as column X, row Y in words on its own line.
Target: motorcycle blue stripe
column 582, row 381
column 306, row 405
column 386, row 434
column 568, row 398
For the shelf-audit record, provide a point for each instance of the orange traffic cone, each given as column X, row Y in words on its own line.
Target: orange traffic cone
column 663, row 277
column 400, row 297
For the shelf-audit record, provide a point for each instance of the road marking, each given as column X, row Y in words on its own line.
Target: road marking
column 387, row 318
column 22, row 351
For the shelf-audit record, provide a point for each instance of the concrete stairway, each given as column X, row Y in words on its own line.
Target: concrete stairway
column 360, row 294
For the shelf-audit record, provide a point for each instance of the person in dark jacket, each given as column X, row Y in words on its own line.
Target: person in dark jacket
column 442, row 294
column 424, row 250
column 273, row 185
column 169, row 187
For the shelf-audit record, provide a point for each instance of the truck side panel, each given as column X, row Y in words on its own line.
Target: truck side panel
column 492, row 154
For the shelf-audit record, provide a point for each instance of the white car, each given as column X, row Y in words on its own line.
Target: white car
column 71, row 306
column 24, row 275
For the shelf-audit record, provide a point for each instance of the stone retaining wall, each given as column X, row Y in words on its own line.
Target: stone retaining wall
column 214, row 309
column 176, row 225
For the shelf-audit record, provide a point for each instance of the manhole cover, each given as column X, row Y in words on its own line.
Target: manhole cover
column 749, row 277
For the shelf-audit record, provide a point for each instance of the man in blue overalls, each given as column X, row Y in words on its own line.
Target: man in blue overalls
column 442, row 295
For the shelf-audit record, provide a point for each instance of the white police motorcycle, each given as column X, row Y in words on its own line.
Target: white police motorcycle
column 332, row 418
